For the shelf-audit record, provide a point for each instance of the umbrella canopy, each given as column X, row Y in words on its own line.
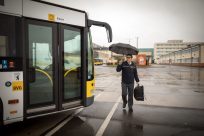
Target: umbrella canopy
column 122, row 48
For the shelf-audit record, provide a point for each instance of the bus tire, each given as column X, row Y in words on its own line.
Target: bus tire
column 1, row 113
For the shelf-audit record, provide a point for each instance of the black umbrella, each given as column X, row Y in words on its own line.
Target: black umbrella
column 122, row 48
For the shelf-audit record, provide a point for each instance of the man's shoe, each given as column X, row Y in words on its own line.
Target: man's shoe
column 124, row 105
column 130, row 110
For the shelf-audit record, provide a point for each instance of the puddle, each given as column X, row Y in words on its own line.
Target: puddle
column 170, row 83
column 199, row 91
column 191, row 75
column 97, row 89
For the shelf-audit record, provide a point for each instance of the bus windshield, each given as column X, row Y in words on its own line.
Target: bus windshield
column 90, row 57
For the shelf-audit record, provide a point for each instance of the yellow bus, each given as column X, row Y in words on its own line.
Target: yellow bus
column 46, row 59
column 98, row 61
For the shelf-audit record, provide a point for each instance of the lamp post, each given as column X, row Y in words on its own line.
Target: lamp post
column 137, row 38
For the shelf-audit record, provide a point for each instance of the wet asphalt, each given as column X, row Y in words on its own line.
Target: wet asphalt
column 173, row 106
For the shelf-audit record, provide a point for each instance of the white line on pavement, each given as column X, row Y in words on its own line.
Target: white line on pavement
column 63, row 123
column 98, row 95
column 108, row 118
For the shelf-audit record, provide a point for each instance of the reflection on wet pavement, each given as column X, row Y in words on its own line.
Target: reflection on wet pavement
column 73, row 127
column 156, row 121
column 172, row 72
column 174, row 103
column 196, row 75
column 173, row 86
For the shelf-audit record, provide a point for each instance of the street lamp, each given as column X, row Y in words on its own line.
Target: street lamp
column 137, row 38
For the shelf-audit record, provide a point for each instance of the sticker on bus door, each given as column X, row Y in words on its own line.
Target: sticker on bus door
column 17, row 86
column 17, row 76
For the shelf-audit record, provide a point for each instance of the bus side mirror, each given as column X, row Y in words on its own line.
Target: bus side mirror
column 102, row 24
column 32, row 75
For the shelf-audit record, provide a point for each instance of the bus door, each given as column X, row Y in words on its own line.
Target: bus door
column 70, row 52
column 41, row 68
column 53, row 67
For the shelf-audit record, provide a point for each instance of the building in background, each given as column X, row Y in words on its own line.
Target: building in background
column 146, row 55
column 193, row 55
column 103, row 53
column 168, row 47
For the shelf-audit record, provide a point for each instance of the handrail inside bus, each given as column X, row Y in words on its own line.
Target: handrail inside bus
column 67, row 72
column 50, row 78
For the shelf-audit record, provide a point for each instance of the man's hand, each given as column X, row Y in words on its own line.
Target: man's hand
column 120, row 62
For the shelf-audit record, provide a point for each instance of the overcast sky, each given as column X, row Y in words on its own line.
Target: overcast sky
column 150, row 20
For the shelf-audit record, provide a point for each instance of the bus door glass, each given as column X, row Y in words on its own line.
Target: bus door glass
column 41, row 43
column 71, row 64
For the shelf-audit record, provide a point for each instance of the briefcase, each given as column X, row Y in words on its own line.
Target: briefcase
column 139, row 93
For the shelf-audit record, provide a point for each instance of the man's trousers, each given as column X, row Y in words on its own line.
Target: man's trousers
column 127, row 89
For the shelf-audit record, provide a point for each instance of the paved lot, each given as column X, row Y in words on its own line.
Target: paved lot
column 174, row 105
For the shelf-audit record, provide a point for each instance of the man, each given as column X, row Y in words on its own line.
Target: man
column 129, row 73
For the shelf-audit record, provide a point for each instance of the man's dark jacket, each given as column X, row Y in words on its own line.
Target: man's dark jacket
column 129, row 72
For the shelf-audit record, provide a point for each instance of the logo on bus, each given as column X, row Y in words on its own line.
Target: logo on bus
column 17, row 86
column 51, row 17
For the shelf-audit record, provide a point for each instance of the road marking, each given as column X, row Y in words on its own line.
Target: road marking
column 98, row 95
column 54, row 130
column 108, row 118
